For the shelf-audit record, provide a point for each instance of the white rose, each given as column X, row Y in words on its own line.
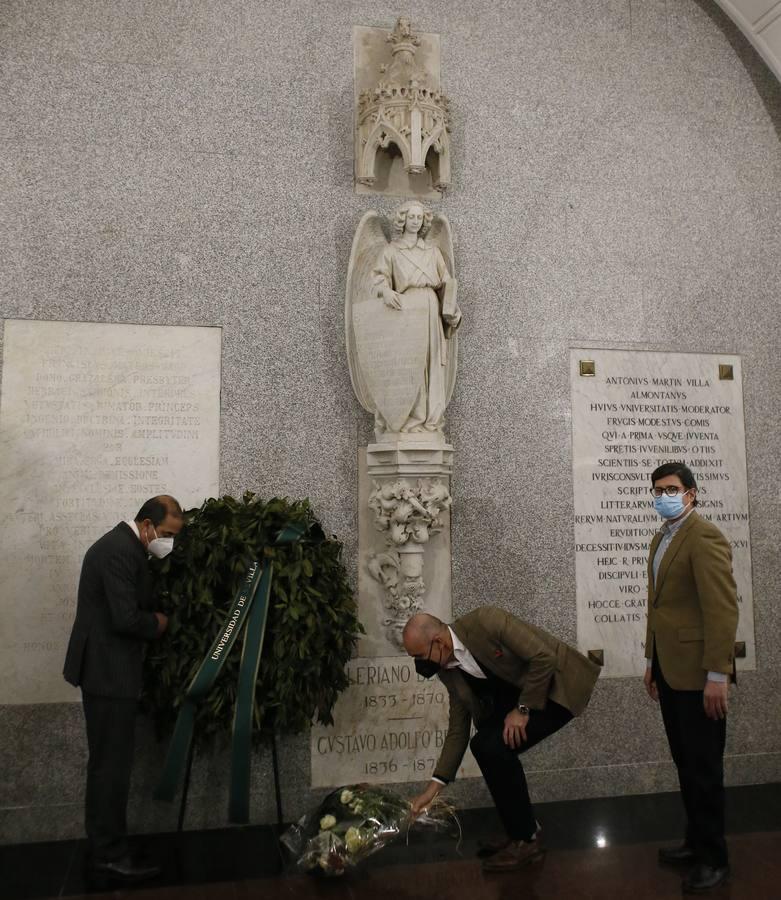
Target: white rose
column 353, row 839
column 346, row 797
column 327, row 822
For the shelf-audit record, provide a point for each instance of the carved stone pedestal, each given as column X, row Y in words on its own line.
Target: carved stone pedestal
column 410, row 455
column 404, row 536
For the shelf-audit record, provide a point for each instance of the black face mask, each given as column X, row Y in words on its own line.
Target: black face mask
column 427, row 668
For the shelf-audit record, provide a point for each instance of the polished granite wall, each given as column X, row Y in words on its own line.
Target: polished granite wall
column 616, row 183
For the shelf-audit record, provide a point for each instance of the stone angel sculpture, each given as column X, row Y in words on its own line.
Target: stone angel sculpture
column 401, row 318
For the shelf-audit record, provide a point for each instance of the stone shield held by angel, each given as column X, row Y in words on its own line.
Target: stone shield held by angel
column 401, row 318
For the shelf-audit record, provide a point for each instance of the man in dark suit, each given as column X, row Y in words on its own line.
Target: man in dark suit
column 114, row 620
column 690, row 641
column 518, row 685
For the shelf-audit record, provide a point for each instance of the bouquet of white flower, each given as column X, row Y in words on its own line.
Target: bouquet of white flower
column 352, row 823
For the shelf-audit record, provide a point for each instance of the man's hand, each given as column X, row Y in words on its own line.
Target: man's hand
column 715, row 699
column 650, row 685
column 419, row 803
column 514, row 733
column 162, row 623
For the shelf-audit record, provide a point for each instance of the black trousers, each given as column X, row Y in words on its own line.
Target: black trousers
column 697, row 748
column 502, row 769
column 110, row 735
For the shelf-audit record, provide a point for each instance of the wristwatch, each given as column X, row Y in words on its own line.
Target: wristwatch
column 523, row 709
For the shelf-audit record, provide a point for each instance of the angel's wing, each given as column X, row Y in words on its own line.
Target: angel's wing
column 441, row 235
column 368, row 242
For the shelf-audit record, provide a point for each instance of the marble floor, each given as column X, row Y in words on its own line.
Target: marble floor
column 603, row 848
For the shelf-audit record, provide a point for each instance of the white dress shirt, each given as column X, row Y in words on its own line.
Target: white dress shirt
column 463, row 658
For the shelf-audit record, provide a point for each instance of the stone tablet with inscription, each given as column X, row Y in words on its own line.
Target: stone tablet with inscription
column 392, row 347
column 94, row 419
column 631, row 412
column 389, row 726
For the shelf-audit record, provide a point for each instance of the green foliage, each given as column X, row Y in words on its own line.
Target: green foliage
column 311, row 631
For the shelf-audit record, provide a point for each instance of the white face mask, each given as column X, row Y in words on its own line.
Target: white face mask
column 160, row 546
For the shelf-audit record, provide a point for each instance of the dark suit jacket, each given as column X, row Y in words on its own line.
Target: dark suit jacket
column 538, row 664
column 693, row 606
column 113, row 617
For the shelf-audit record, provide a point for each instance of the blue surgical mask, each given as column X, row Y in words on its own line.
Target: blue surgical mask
column 670, row 507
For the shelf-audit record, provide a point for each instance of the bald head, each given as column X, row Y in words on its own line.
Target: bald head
column 420, row 631
column 159, row 508
column 171, row 503
column 160, row 516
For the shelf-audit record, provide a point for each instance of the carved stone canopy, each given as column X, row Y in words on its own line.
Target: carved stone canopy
column 406, row 109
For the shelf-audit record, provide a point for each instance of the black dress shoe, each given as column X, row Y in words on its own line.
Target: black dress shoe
column 676, row 856
column 124, row 869
column 703, row 878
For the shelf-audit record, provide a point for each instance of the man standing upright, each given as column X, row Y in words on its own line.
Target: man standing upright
column 114, row 620
column 690, row 645
column 519, row 685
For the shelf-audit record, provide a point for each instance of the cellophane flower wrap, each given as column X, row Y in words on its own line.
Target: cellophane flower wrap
column 352, row 823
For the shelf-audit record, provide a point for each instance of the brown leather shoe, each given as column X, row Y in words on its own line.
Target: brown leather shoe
column 516, row 855
column 492, row 845
column 497, row 842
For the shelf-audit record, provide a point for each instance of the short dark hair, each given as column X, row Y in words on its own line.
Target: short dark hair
column 158, row 508
column 676, row 468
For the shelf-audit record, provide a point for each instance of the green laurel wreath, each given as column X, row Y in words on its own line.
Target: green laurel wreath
column 312, row 624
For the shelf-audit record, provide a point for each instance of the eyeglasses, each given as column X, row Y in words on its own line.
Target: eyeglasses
column 671, row 491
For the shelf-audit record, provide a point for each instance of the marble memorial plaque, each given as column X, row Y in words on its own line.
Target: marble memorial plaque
column 389, row 726
column 631, row 412
column 94, row 420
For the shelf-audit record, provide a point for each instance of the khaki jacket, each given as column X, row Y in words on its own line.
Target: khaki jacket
column 693, row 607
column 539, row 664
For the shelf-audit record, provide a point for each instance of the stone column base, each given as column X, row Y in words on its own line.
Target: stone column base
column 410, row 456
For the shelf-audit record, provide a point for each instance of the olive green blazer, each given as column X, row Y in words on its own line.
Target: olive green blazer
column 693, row 607
column 539, row 664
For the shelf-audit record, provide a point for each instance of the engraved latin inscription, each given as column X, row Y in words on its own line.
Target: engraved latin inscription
column 389, row 726
column 94, row 419
column 637, row 411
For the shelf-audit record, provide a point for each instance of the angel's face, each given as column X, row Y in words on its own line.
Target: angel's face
column 414, row 220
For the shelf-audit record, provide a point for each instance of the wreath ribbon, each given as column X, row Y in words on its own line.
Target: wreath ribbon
column 250, row 609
